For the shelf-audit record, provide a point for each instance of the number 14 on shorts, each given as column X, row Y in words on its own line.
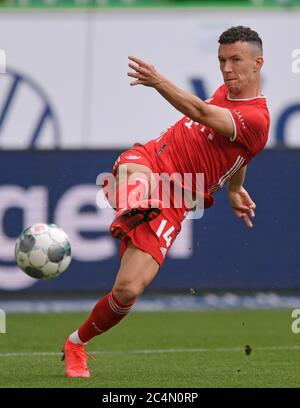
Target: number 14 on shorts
column 165, row 232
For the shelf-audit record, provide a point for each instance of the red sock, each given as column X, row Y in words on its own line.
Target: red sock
column 105, row 314
column 129, row 194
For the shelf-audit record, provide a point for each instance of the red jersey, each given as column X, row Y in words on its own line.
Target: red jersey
column 191, row 147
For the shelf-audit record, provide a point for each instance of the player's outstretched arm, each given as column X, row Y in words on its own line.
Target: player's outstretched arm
column 241, row 203
column 190, row 105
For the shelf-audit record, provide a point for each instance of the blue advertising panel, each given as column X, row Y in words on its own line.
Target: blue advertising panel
column 215, row 252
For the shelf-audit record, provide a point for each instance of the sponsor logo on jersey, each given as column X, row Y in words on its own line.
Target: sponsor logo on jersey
column 241, row 117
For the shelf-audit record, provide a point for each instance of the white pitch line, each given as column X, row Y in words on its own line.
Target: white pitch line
column 154, row 351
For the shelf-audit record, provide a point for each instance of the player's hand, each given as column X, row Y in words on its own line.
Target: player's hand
column 242, row 205
column 144, row 74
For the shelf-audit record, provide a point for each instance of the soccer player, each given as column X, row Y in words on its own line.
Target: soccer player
column 217, row 137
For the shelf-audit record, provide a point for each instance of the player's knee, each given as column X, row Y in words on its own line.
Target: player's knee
column 128, row 293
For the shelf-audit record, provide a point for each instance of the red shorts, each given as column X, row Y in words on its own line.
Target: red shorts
column 137, row 154
column 155, row 237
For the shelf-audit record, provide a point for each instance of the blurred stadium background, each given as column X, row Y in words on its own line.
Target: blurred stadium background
column 67, row 111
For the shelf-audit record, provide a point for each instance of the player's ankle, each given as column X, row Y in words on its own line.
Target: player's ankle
column 75, row 339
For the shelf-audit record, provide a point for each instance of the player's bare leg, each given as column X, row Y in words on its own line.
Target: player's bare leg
column 136, row 272
column 135, row 182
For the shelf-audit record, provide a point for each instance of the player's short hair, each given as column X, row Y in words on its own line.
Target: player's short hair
column 240, row 33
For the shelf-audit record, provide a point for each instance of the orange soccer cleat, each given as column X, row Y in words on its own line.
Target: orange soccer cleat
column 75, row 360
column 128, row 218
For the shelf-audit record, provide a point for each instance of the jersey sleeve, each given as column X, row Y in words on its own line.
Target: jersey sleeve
column 250, row 128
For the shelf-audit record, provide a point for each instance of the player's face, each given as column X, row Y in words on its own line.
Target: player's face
column 239, row 64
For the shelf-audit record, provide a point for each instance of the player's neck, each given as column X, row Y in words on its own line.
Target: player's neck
column 249, row 93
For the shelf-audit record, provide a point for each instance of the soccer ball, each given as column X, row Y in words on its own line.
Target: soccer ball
column 43, row 251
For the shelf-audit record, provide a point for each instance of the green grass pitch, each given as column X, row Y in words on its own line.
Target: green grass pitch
column 157, row 349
